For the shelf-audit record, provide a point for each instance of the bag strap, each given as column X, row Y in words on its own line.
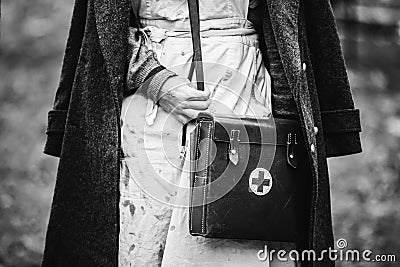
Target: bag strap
column 197, row 63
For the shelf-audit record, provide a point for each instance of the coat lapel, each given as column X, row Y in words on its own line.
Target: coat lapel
column 284, row 19
column 112, row 23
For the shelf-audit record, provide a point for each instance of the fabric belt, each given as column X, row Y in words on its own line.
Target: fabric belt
column 161, row 29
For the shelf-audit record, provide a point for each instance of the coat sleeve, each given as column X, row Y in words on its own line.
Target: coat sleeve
column 340, row 120
column 144, row 69
column 57, row 116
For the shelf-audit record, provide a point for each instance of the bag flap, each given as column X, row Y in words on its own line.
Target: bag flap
column 250, row 130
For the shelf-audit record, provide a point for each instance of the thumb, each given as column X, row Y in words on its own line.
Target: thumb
column 202, row 95
column 207, row 90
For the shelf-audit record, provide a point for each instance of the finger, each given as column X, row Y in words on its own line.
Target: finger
column 197, row 105
column 194, row 94
column 182, row 118
column 190, row 113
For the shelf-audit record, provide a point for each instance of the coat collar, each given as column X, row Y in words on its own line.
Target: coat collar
column 284, row 19
column 112, row 24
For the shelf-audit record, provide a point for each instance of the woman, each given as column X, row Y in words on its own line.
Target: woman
column 301, row 51
column 237, row 82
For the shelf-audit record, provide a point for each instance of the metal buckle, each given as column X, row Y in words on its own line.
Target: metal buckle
column 234, row 146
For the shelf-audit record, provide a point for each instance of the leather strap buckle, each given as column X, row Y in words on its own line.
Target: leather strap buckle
column 234, row 146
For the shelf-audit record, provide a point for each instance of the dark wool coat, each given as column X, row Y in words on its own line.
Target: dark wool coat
column 83, row 128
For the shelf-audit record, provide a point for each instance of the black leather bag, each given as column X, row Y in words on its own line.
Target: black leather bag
column 247, row 175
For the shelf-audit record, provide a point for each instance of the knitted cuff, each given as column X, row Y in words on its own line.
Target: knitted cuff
column 156, row 82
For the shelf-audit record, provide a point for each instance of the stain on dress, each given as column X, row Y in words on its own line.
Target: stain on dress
column 125, row 203
column 132, row 209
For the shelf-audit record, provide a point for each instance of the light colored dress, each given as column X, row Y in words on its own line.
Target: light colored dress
column 154, row 179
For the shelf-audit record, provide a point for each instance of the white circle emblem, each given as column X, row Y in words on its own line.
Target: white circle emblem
column 260, row 181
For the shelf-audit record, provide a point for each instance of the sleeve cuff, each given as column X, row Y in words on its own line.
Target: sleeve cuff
column 341, row 121
column 53, row 144
column 338, row 145
column 341, row 132
column 55, row 132
column 156, row 83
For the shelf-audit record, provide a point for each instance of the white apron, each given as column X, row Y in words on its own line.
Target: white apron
column 154, row 179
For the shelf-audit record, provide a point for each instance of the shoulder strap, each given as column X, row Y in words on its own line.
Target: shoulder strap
column 197, row 63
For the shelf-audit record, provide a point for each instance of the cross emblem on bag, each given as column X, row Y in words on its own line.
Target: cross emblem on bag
column 260, row 181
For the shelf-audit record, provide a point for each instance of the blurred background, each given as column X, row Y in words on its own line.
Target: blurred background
column 365, row 187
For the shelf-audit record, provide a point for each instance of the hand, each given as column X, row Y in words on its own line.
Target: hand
column 180, row 98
